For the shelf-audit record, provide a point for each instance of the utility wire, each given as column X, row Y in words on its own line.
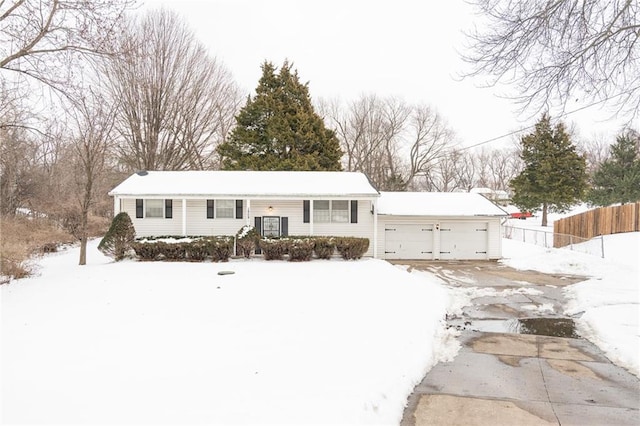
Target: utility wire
column 564, row 114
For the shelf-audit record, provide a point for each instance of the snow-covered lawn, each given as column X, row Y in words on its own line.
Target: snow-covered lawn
column 277, row 342
column 321, row 342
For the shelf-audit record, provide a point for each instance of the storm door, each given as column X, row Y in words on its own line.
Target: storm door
column 271, row 226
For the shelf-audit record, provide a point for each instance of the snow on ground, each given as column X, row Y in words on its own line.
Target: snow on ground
column 607, row 303
column 323, row 342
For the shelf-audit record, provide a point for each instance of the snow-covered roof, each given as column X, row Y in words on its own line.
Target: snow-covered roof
column 436, row 204
column 288, row 184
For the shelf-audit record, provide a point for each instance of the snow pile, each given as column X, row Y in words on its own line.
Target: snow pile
column 172, row 342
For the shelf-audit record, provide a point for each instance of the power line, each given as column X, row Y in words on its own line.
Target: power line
column 564, row 114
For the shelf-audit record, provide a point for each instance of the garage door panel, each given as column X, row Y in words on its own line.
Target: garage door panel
column 463, row 240
column 409, row 241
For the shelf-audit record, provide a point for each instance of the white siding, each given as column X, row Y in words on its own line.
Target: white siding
column 198, row 224
column 494, row 248
column 147, row 227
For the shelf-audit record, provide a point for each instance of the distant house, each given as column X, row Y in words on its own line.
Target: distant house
column 496, row 195
column 281, row 203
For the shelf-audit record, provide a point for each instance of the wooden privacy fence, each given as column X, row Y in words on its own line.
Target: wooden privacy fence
column 600, row 221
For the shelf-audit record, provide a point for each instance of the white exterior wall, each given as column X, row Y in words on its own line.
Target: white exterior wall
column 198, row 224
column 494, row 243
column 148, row 227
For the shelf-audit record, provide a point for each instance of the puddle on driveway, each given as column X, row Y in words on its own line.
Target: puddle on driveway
column 554, row 327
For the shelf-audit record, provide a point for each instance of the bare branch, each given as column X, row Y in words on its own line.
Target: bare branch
column 557, row 51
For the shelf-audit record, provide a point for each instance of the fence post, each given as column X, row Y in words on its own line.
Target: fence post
column 571, row 241
column 602, row 245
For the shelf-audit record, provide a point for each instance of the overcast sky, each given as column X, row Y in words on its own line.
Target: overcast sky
column 345, row 48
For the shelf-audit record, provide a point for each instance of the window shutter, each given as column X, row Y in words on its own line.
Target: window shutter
column 139, row 208
column 238, row 209
column 209, row 209
column 284, row 226
column 354, row 211
column 168, row 209
column 258, row 225
column 306, row 211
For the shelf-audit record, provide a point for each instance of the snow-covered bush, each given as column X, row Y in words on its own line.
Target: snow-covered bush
column 273, row 249
column 300, row 249
column 324, row 247
column 247, row 240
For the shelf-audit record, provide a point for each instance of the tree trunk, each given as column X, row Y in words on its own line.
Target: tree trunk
column 83, row 250
column 544, row 214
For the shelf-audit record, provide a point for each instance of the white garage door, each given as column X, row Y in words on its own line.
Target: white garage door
column 463, row 240
column 408, row 241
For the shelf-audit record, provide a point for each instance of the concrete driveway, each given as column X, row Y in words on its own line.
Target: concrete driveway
column 517, row 366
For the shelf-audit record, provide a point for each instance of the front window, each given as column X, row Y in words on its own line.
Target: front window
column 325, row 211
column 321, row 212
column 340, row 211
column 225, row 208
column 154, row 208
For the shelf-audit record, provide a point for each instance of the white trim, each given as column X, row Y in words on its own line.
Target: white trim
column 311, row 216
column 184, row 217
column 374, row 208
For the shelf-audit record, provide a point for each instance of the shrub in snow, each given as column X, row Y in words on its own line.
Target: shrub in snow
column 195, row 249
column 146, row 250
column 273, row 249
column 221, row 248
column 118, row 239
column 300, row 249
column 324, row 247
column 247, row 240
column 351, row 247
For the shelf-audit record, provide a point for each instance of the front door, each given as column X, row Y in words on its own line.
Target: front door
column 271, row 226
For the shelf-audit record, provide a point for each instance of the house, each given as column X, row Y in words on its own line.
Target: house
column 281, row 203
column 277, row 203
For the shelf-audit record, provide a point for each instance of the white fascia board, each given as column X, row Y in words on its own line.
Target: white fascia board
column 249, row 196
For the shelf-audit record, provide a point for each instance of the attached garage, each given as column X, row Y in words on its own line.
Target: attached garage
column 438, row 226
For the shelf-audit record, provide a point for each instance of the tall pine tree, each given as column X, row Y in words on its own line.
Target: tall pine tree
column 554, row 175
column 617, row 179
column 278, row 129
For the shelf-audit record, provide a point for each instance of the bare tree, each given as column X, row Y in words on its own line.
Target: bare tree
column 38, row 37
column 430, row 137
column 177, row 103
column 595, row 150
column 93, row 121
column 389, row 140
column 559, row 50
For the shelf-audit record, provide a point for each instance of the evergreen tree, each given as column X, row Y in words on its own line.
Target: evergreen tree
column 117, row 241
column 617, row 179
column 554, row 175
column 278, row 129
